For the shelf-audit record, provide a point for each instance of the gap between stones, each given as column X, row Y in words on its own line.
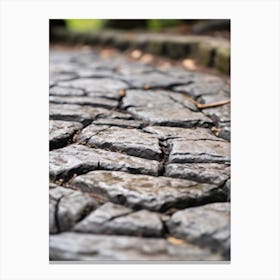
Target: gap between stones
column 165, row 149
column 56, row 214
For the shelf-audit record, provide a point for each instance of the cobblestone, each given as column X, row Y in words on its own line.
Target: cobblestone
column 206, row 225
column 131, row 141
column 142, row 191
column 61, row 132
column 115, row 219
column 88, row 247
column 137, row 171
column 201, row 172
column 76, row 159
column 149, row 106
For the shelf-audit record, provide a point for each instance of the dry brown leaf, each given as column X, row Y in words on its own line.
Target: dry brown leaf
column 147, row 58
column 164, row 65
column 189, row 64
column 106, row 53
column 216, row 131
column 122, row 92
column 175, row 240
column 136, row 54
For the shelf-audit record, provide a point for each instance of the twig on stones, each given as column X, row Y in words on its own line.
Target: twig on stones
column 210, row 105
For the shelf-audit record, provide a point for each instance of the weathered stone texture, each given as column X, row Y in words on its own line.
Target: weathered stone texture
column 211, row 173
column 116, row 219
column 88, row 247
column 138, row 170
column 207, row 225
column 158, row 108
column 65, row 162
column 142, row 191
column 130, row 141
column 67, row 207
column 194, row 151
column 60, row 132
column 103, row 87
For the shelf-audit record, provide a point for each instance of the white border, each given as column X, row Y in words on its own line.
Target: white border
column 24, row 138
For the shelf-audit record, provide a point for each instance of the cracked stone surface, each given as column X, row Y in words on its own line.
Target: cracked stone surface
column 65, row 162
column 152, row 79
column 57, row 77
column 116, row 219
column 73, row 112
column 194, row 151
column 137, row 171
column 118, row 122
column 202, row 84
column 208, row 225
column 220, row 114
column 63, row 91
column 130, row 141
column 149, row 106
column 211, row 173
column 142, row 191
column 165, row 133
column 227, row 188
column 52, row 221
column 103, row 87
column 211, row 98
column 60, row 132
column 85, row 100
column 88, row 247
column 67, row 207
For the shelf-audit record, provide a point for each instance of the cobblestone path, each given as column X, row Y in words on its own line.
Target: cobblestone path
column 137, row 171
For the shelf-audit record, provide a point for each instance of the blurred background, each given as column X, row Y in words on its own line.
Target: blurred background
column 194, row 43
column 216, row 27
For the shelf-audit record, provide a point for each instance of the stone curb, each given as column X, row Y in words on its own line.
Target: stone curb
column 208, row 51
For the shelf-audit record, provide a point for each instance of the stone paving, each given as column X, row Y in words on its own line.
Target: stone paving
column 137, row 171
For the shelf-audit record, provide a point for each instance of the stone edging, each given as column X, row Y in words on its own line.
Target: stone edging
column 208, row 51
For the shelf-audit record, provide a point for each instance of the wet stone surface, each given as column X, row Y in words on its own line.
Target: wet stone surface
column 137, row 171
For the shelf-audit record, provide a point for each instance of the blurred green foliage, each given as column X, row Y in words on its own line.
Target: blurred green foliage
column 95, row 24
column 84, row 24
column 158, row 24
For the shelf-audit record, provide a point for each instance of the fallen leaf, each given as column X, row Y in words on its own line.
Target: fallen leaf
column 136, row 54
column 122, row 92
column 216, row 131
column 189, row 64
column 106, row 53
column 147, row 58
column 175, row 241
column 164, row 65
